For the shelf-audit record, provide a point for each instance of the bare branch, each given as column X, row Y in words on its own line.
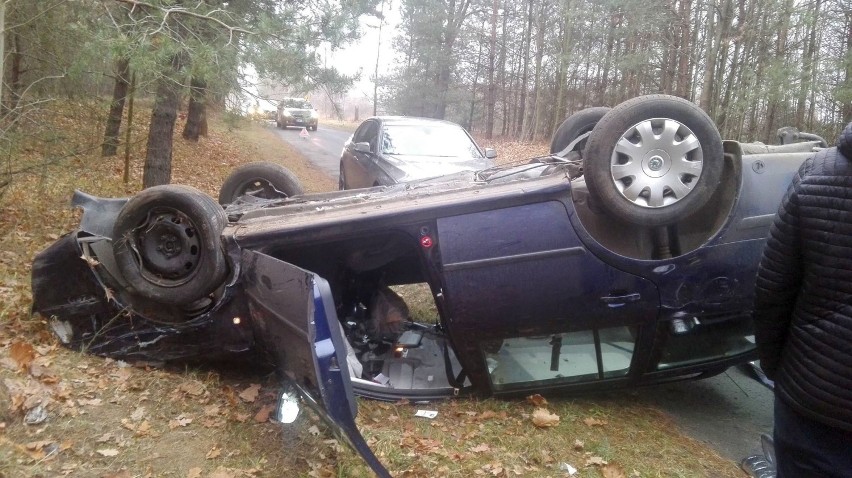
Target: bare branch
column 183, row 11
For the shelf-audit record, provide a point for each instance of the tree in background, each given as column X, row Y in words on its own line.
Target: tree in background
column 422, row 85
column 753, row 65
column 89, row 49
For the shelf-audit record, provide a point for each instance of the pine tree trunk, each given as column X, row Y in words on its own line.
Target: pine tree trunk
column 684, row 63
column 492, row 87
column 501, row 73
column 13, row 90
column 713, row 38
column 196, row 117
column 562, row 76
column 158, row 160
column 116, row 108
column 525, row 70
column 808, row 64
column 473, row 88
column 846, row 108
column 538, row 105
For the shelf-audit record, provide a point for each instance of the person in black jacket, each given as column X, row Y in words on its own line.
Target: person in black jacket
column 803, row 317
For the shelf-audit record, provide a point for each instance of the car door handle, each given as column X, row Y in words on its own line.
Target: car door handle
column 619, row 300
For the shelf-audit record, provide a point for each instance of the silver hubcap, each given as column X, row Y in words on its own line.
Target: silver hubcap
column 656, row 162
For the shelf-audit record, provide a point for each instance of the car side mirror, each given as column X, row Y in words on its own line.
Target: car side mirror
column 490, row 153
column 363, row 147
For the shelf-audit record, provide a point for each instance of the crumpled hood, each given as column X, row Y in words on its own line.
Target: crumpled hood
column 411, row 168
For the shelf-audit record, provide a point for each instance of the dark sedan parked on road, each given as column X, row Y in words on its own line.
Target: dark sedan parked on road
column 628, row 261
column 387, row 150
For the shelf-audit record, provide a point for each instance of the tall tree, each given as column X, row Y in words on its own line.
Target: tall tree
column 492, row 56
column 158, row 158
column 119, row 95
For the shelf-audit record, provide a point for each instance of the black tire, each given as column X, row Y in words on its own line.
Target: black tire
column 166, row 242
column 261, row 180
column 341, row 178
column 576, row 125
column 313, row 128
column 643, row 182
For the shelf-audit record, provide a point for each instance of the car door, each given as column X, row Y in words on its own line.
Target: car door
column 530, row 308
column 294, row 319
column 358, row 167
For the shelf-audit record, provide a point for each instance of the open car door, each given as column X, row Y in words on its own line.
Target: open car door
column 293, row 317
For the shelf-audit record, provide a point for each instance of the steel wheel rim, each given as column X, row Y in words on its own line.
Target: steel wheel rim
column 168, row 247
column 656, row 163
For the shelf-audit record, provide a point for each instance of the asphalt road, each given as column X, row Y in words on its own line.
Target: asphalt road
column 728, row 411
column 322, row 147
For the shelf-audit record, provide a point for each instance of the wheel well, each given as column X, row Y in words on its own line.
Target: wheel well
column 643, row 242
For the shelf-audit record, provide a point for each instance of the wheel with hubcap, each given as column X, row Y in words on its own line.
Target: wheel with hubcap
column 653, row 160
column 166, row 242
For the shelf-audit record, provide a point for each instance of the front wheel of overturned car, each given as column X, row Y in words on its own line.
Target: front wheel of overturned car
column 261, row 180
column 653, row 160
column 576, row 127
column 166, row 242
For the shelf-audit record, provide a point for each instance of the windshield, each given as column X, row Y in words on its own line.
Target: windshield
column 295, row 103
column 439, row 140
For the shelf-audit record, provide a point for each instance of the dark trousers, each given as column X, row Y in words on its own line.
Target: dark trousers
column 805, row 448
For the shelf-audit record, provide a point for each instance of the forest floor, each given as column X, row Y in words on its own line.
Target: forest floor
column 111, row 419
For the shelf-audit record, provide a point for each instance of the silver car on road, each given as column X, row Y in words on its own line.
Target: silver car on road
column 386, row 150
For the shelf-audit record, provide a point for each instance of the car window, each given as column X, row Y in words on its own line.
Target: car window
column 437, row 140
column 366, row 133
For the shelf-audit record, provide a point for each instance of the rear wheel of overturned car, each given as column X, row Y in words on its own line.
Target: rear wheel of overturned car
column 575, row 129
column 166, row 242
column 262, row 180
column 653, row 160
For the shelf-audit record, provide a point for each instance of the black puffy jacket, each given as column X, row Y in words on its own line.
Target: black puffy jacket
column 803, row 299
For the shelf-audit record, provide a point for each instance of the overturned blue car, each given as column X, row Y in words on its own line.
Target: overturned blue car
column 625, row 257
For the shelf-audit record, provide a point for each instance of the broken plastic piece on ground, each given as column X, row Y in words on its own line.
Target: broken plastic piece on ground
column 430, row 414
column 288, row 406
column 567, row 468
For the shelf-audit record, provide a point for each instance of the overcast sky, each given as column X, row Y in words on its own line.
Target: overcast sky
column 361, row 55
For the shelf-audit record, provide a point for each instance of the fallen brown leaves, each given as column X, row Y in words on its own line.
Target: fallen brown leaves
column 544, row 419
column 250, row 394
column 94, row 417
column 23, row 354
